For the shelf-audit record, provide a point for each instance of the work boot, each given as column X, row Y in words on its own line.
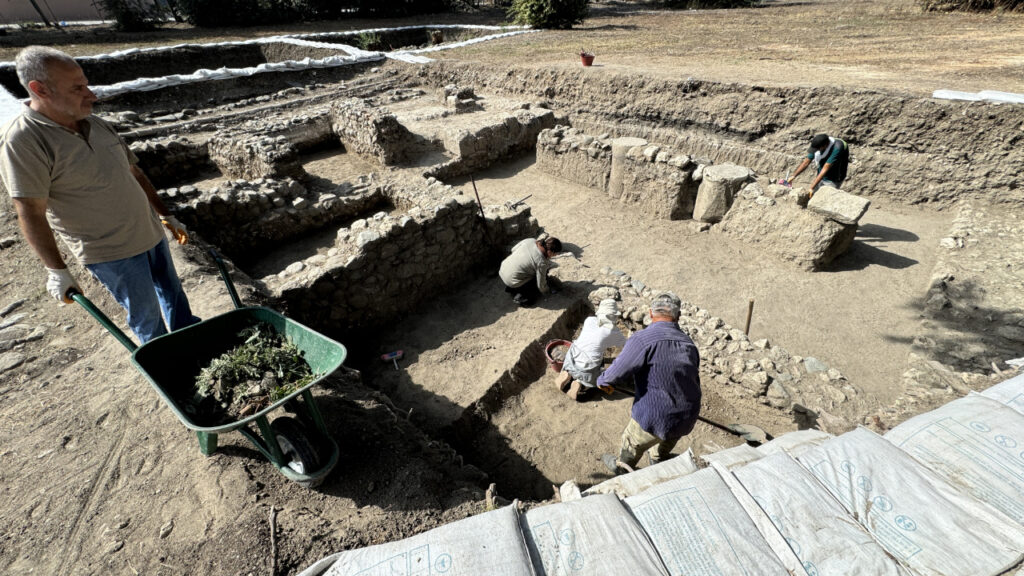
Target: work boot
column 563, row 381
column 610, row 463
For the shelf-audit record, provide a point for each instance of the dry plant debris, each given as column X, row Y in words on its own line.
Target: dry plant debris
column 262, row 370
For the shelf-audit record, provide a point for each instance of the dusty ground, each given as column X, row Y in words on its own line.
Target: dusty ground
column 99, row 478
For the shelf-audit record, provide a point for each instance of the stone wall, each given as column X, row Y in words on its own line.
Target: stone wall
column 384, row 266
column 250, row 156
column 245, row 218
column 170, row 160
column 773, row 218
column 476, row 150
column 661, row 181
column 372, row 132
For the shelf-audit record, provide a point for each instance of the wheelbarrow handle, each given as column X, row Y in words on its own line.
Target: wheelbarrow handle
column 102, row 319
column 227, row 279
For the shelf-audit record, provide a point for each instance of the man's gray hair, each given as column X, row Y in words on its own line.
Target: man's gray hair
column 665, row 304
column 33, row 63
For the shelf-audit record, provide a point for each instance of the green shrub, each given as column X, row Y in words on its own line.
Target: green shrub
column 561, row 14
column 132, row 15
column 972, row 5
column 369, row 41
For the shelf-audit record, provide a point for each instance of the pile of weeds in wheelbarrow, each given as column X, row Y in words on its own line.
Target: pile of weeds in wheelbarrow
column 262, row 370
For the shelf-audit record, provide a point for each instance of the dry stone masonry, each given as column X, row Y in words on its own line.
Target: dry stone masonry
column 371, row 131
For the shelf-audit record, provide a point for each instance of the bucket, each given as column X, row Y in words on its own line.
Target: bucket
column 587, row 59
column 555, row 356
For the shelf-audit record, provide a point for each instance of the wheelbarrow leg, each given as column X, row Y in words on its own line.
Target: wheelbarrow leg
column 207, row 442
column 314, row 412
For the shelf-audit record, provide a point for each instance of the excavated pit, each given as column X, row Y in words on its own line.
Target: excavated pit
column 343, row 193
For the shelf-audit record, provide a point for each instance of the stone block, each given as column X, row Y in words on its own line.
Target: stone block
column 838, row 205
column 719, row 185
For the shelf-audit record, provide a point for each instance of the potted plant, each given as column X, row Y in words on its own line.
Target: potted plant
column 586, row 57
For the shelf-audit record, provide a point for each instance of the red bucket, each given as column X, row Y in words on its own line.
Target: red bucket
column 555, row 356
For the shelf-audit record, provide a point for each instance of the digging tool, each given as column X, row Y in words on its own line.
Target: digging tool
column 518, row 202
column 393, row 356
column 483, row 217
column 753, row 435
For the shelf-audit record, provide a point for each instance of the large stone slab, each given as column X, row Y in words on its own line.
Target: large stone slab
column 719, row 184
column 838, row 205
column 807, row 238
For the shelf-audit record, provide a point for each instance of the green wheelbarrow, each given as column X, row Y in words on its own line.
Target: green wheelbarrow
column 299, row 447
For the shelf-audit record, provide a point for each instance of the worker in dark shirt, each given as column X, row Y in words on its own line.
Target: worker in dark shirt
column 661, row 363
column 832, row 157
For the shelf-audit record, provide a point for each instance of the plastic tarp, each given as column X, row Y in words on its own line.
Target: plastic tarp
column 823, row 535
column 733, row 457
column 490, row 543
column 928, row 524
column 636, row 482
column 594, row 536
column 987, row 95
column 699, row 528
column 976, row 444
column 1009, row 392
column 794, row 443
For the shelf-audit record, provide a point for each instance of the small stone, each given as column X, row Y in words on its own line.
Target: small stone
column 777, row 395
column 834, row 374
column 358, row 224
column 11, row 307
column 7, row 242
column 371, row 487
column 294, row 268
column 166, row 529
column 762, row 344
column 366, row 236
column 814, row 365
column 114, row 547
column 10, row 360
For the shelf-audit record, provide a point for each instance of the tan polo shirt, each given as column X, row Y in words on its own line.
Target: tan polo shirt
column 94, row 202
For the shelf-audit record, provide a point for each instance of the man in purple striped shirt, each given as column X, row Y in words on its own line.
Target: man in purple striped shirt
column 663, row 364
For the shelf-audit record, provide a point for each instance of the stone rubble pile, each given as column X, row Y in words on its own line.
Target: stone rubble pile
column 172, row 159
column 735, row 366
column 461, row 99
column 773, row 217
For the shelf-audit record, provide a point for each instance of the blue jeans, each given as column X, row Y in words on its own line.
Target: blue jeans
column 145, row 285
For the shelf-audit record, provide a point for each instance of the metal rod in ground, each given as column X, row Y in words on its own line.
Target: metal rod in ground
column 750, row 312
column 480, row 205
column 273, row 541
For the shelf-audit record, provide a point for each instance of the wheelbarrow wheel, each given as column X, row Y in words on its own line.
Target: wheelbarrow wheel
column 300, row 453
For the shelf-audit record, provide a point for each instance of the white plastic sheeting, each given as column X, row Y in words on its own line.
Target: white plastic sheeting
column 794, row 443
column 827, row 540
column 489, row 543
column 974, row 442
column 928, row 524
column 594, row 536
column 986, row 95
column 699, row 528
column 636, row 482
column 1009, row 392
column 733, row 457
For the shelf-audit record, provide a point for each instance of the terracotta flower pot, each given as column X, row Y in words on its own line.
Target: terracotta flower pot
column 587, row 59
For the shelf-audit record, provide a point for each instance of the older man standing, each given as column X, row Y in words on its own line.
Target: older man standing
column 69, row 171
column 663, row 364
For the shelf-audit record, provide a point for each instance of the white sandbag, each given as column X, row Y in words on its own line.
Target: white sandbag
column 733, row 457
column 1009, row 392
column 972, row 443
column 794, row 443
column 997, row 96
column 956, row 95
column 826, row 539
column 930, row 525
column 699, row 528
column 636, row 482
column 594, row 536
column 490, row 543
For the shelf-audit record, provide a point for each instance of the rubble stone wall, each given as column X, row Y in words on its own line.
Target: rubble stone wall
column 659, row 180
column 171, row 160
column 384, row 266
column 773, row 218
column 244, row 218
column 372, row 132
column 515, row 134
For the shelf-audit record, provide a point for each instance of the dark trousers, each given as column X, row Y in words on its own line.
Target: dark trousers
column 525, row 294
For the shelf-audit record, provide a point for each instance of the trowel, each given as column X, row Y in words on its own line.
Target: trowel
column 392, row 356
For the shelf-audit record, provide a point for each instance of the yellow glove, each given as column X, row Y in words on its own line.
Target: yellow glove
column 177, row 228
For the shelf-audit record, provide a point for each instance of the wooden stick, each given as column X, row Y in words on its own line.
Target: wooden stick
column 273, row 541
column 483, row 217
column 750, row 312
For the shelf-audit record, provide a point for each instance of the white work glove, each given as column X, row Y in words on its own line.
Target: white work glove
column 59, row 282
column 177, row 228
